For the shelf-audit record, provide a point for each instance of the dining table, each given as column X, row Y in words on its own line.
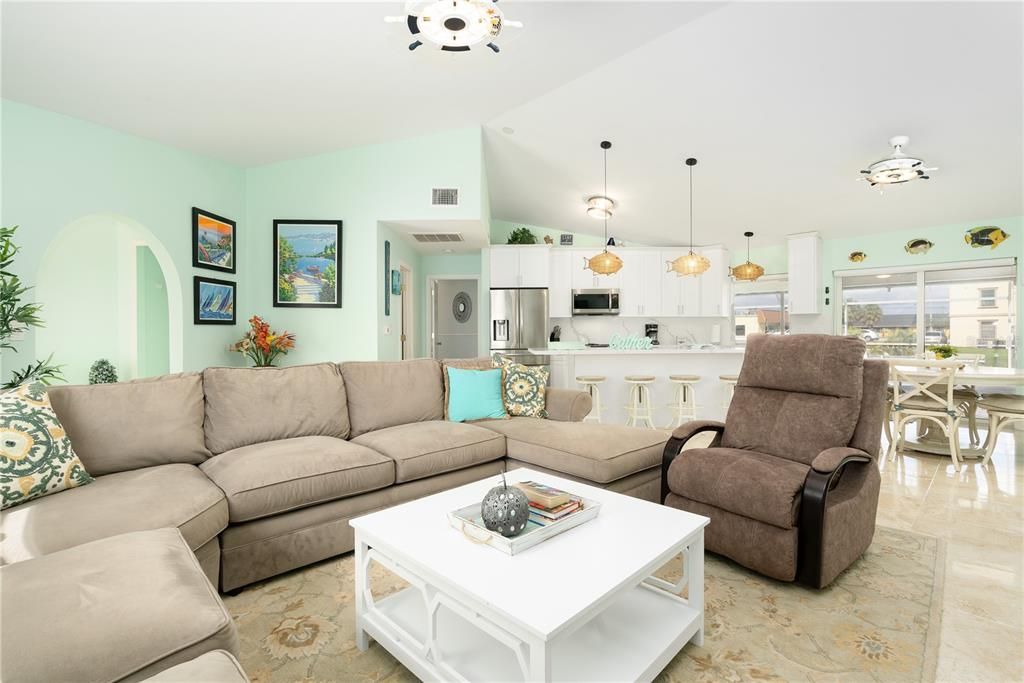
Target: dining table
column 983, row 379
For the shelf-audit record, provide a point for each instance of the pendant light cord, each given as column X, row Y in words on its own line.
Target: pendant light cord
column 605, row 197
column 691, row 208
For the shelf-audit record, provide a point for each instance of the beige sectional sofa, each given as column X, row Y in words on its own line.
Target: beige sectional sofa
column 262, row 469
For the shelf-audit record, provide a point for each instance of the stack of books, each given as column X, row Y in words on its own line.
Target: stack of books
column 548, row 504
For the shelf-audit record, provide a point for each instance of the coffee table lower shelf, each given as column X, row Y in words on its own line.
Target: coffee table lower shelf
column 633, row 639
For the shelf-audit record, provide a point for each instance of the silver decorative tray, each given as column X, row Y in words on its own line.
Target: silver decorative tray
column 469, row 522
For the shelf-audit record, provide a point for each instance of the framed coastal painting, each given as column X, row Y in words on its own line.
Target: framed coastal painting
column 307, row 264
column 214, row 241
column 213, row 301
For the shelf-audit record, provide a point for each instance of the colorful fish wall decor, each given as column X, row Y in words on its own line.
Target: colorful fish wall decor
column 918, row 246
column 985, row 236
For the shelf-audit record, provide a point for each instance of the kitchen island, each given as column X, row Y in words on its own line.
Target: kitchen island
column 660, row 362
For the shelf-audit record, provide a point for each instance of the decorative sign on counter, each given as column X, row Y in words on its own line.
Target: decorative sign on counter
column 630, row 342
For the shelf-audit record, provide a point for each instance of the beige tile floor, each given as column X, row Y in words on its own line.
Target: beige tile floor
column 980, row 513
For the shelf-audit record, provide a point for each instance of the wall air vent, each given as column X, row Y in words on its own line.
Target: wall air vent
column 436, row 237
column 444, row 196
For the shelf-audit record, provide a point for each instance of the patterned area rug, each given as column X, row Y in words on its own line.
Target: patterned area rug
column 878, row 622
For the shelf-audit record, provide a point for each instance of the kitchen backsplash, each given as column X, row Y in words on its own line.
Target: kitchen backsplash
column 599, row 329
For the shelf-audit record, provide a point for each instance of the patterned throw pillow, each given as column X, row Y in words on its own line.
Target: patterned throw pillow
column 36, row 457
column 524, row 390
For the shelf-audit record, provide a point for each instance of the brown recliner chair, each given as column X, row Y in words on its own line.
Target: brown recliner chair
column 790, row 480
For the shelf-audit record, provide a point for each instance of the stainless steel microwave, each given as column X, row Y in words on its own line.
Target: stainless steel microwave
column 595, row 302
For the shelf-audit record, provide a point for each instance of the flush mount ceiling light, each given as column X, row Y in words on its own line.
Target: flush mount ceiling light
column 605, row 263
column 897, row 168
column 600, row 206
column 691, row 263
column 748, row 271
column 454, row 25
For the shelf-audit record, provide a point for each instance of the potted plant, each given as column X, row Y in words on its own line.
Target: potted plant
column 102, row 372
column 263, row 344
column 942, row 351
column 522, row 235
column 16, row 317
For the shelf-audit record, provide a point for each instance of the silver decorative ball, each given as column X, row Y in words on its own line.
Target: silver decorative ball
column 505, row 509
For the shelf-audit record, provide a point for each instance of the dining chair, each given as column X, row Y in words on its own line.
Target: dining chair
column 924, row 390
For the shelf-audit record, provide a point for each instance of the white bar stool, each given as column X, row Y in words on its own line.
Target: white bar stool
column 730, row 386
column 589, row 384
column 685, row 405
column 638, row 411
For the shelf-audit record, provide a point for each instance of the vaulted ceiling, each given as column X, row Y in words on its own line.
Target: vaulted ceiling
column 782, row 103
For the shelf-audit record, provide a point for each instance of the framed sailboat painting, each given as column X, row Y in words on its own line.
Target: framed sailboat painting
column 213, row 301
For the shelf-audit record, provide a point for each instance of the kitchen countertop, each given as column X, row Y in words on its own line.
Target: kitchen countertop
column 666, row 350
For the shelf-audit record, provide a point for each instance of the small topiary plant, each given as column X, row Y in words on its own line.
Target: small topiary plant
column 102, row 372
column 522, row 235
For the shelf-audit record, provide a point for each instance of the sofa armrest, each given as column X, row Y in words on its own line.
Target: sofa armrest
column 826, row 469
column 680, row 436
column 567, row 405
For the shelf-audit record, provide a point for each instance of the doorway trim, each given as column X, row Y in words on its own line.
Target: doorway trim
column 431, row 307
column 407, row 313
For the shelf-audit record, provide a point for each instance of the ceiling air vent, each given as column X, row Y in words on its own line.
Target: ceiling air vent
column 436, row 237
column 444, row 196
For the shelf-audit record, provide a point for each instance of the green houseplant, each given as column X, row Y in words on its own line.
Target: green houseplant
column 102, row 372
column 943, row 351
column 522, row 235
column 16, row 316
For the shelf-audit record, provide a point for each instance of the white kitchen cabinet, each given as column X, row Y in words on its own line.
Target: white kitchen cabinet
column 804, row 251
column 640, row 283
column 584, row 278
column 560, row 289
column 520, row 266
column 680, row 296
column 715, row 286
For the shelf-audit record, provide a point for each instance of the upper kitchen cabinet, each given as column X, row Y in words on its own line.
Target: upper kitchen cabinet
column 715, row 286
column 680, row 296
column 560, row 289
column 640, row 283
column 804, row 273
column 584, row 278
column 520, row 266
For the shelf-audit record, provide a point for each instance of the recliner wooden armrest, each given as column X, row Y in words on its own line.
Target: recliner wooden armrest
column 680, row 436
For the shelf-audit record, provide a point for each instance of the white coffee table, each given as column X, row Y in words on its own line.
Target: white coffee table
column 582, row 606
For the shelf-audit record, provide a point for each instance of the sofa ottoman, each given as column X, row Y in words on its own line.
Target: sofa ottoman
column 121, row 608
column 216, row 666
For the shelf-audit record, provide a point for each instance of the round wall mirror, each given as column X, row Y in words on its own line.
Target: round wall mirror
column 462, row 307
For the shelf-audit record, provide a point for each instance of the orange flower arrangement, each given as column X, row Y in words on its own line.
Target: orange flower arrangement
column 263, row 344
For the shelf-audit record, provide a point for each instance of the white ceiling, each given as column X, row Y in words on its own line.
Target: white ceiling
column 782, row 103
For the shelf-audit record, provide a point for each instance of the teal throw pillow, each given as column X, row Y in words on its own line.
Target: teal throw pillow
column 474, row 395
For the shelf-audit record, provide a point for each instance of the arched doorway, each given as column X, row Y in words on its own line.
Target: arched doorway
column 110, row 290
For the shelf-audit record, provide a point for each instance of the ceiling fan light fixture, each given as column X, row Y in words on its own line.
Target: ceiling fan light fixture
column 454, row 25
column 897, row 168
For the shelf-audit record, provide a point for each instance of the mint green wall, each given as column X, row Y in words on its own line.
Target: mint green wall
column 57, row 170
column 500, row 231
column 153, row 352
column 362, row 186
column 389, row 343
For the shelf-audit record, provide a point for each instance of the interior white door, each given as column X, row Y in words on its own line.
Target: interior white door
column 456, row 311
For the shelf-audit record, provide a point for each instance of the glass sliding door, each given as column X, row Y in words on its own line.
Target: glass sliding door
column 970, row 307
column 882, row 310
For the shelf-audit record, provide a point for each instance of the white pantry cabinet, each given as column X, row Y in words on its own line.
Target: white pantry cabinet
column 520, row 266
column 715, row 286
column 640, row 285
column 804, row 251
column 560, row 289
column 584, row 278
column 680, row 296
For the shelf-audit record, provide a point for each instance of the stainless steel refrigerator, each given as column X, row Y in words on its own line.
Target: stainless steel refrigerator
column 519, row 322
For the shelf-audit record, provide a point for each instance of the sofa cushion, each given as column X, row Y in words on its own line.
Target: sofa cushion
column 722, row 477
column 601, row 453
column 149, row 498
column 461, row 364
column 423, row 449
column 474, row 395
column 524, row 389
column 36, row 457
column 117, row 609
column 385, row 394
column 136, row 424
column 252, row 405
column 270, row 478
column 216, row 666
